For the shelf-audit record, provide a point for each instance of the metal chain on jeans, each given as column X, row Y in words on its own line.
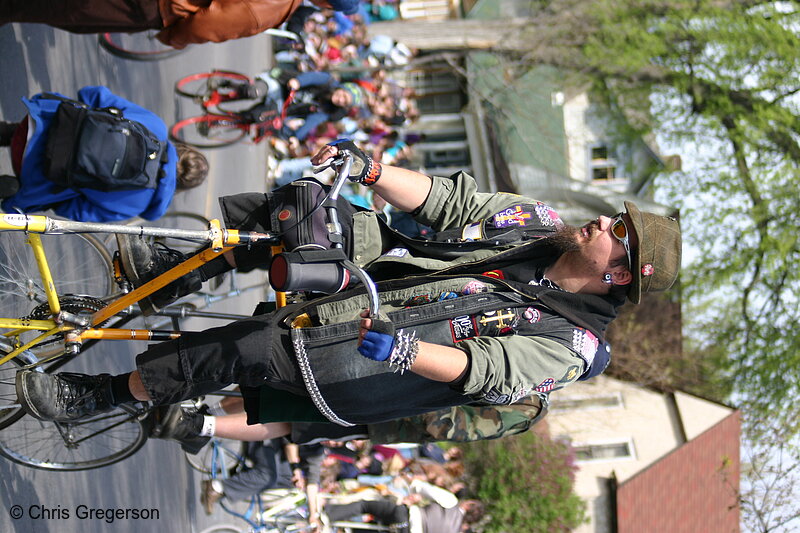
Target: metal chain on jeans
column 311, row 384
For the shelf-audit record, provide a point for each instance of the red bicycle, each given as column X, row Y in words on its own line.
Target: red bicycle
column 221, row 94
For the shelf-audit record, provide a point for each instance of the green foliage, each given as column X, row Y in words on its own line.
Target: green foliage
column 526, row 483
column 723, row 79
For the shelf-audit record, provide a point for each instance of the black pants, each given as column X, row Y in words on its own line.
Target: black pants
column 254, row 351
column 385, row 511
column 85, row 16
column 250, row 352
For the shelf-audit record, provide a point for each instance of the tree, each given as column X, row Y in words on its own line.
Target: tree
column 526, row 483
column 720, row 77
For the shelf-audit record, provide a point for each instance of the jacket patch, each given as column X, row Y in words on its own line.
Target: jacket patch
column 474, row 287
column 505, row 320
column 472, row 232
column 548, row 216
column 546, row 385
column 570, row 375
column 396, row 252
column 422, row 299
column 494, row 396
column 513, row 216
column 532, row 315
column 585, row 343
column 463, row 327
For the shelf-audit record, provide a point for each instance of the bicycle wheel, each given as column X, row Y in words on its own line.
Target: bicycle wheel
column 140, row 46
column 229, row 455
column 209, row 131
column 79, row 264
column 99, row 441
column 201, row 84
column 10, row 410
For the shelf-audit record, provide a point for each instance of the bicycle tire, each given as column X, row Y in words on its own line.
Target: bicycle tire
column 198, row 85
column 209, row 131
column 139, row 46
column 100, row 441
column 10, row 410
column 79, row 263
column 202, row 460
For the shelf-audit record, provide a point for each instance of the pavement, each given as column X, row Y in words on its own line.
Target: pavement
column 37, row 58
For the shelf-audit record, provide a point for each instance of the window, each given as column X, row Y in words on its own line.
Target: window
column 601, row 165
column 603, row 451
column 606, row 401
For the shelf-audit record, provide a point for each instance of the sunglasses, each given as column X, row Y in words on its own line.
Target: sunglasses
column 620, row 231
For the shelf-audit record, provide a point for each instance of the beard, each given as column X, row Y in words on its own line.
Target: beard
column 565, row 240
column 568, row 241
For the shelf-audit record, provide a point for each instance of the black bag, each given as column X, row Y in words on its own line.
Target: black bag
column 97, row 148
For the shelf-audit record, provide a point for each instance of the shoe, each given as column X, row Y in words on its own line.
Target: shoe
column 9, row 185
column 7, row 130
column 64, row 397
column 142, row 262
column 209, row 497
column 176, row 423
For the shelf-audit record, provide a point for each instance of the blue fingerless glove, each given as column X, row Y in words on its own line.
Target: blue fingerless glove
column 378, row 343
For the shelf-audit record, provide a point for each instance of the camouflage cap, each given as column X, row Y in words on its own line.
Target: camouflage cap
column 657, row 259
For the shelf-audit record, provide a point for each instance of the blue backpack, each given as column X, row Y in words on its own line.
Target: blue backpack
column 97, row 148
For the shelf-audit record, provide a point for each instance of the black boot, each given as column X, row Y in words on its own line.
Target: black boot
column 64, row 397
column 179, row 424
column 9, row 185
column 7, row 130
column 141, row 262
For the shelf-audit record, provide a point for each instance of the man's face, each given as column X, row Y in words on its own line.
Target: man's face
column 601, row 250
column 594, row 251
column 341, row 98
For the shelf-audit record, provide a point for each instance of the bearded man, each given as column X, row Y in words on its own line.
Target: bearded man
column 504, row 302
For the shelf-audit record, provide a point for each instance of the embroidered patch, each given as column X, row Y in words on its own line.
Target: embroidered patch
column 513, row 216
column 546, row 385
column 548, row 216
column 570, row 375
column 520, row 394
column 463, row 327
column 585, row 343
column 396, row 252
column 472, row 232
column 504, row 320
column 648, row 269
column 498, row 274
column 284, row 215
column 420, row 299
column 494, row 396
column 532, row 315
column 474, row 287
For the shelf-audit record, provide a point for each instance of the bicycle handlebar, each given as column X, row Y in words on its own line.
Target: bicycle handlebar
column 342, row 162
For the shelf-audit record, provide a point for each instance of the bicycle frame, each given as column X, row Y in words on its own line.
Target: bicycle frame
column 77, row 328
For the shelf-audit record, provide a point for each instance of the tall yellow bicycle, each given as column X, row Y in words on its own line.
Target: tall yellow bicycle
column 58, row 293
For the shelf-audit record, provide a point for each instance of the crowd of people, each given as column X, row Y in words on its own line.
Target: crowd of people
column 420, row 487
column 345, row 84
